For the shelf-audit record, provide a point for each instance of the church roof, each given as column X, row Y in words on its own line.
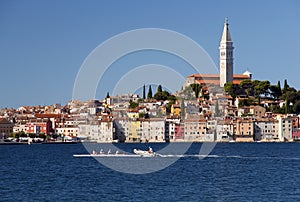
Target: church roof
column 207, row 76
column 208, row 79
column 226, row 37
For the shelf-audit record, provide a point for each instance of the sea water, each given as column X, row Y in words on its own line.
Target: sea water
column 231, row 172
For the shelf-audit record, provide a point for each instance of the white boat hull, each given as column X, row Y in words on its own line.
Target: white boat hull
column 143, row 153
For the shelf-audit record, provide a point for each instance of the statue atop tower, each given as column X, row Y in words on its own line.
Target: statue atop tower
column 226, row 56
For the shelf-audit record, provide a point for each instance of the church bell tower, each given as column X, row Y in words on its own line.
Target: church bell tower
column 226, row 56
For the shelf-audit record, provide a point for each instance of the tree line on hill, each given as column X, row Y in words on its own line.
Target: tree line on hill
column 255, row 90
column 159, row 95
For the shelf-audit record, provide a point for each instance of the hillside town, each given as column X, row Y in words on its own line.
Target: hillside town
column 223, row 107
column 173, row 118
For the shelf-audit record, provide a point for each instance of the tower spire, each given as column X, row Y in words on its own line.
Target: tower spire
column 226, row 55
column 226, row 37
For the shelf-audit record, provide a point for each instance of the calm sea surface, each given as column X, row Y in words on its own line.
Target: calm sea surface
column 233, row 172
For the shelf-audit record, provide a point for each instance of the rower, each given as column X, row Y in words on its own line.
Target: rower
column 150, row 150
column 101, row 151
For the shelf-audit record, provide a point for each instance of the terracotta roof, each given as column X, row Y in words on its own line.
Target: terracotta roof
column 215, row 78
column 48, row 115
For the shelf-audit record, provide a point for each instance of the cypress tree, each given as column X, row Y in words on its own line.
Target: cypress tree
column 182, row 110
column 159, row 89
column 144, row 92
column 286, row 106
column 285, row 86
column 149, row 92
column 278, row 85
column 279, row 89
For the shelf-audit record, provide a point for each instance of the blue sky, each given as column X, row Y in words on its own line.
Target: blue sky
column 44, row 43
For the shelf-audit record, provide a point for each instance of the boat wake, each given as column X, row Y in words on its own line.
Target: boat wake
column 182, row 156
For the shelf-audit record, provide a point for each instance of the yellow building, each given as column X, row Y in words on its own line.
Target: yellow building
column 134, row 131
column 133, row 114
column 175, row 109
column 244, row 129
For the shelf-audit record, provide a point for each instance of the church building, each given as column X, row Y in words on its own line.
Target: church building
column 226, row 66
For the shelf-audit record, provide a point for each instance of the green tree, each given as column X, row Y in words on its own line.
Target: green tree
column 275, row 91
column 287, row 106
column 164, row 95
column 149, row 93
column 196, row 88
column 142, row 115
column 172, row 98
column 159, row 89
column 32, row 135
column 133, row 105
column 285, row 86
column 22, row 134
column 230, row 88
column 247, row 86
column 144, row 92
column 246, row 102
column 279, row 85
column 182, row 109
column 291, row 94
column 296, row 107
column 262, row 88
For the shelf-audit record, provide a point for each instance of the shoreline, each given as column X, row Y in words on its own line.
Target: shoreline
column 92, row 142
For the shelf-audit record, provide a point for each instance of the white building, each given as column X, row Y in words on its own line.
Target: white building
column 99, row 129
column 172, row 124
column 101, row 132
column 224, row 130
column 195, row 129
column 67, row 131
column 266, row 129
column 284, row 128
column 19, row 128
column 153, row 130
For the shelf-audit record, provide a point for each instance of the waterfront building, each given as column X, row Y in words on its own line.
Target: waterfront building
column 100, row 130
column 121, row 128
column 285, row 130
column 134, row 131
column 195, row 129
column 71, row 131
column 39, row 126
column 243, row 129
column 172, row 123
column 296, row 135
column 153, row 130
column 224, row 130
column 19, row 128
column 266, row 129
column 6, row 128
